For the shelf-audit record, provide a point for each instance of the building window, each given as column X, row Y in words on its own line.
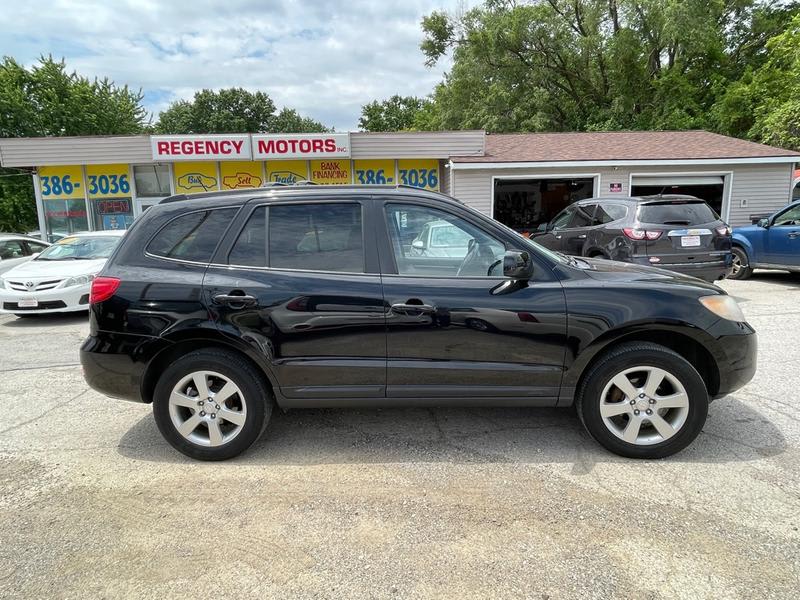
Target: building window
column 152, row 181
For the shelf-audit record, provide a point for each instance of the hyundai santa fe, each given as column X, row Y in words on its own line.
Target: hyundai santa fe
column 219, row 308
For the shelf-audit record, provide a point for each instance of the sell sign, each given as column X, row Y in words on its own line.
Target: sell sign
column 200, row 147
column 301, row 145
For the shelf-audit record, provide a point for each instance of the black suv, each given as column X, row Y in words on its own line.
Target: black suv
column 219, row 307
column 679, row 233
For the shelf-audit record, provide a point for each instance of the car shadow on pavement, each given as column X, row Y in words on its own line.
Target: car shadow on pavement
column 734, row 432
column 781, row 278
column 46, row 320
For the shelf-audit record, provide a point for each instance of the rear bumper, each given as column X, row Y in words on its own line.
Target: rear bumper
column 706, row 270
column 114, row 364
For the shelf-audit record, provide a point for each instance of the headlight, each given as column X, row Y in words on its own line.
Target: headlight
column 723, row 306
column 79, row 280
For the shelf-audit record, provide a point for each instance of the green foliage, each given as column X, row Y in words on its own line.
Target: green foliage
column 47, row 100
column 565, row 65
column 232, row 110
column 398, row 113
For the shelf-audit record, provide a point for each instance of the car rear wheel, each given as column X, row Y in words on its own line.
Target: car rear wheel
column 643, row 400
column 740, row 268
column 211, row 404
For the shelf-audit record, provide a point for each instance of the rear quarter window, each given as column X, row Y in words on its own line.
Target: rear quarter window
column 677, row 213
column 193, row 236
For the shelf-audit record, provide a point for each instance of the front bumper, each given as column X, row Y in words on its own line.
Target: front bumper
column 707, row 270
column 56, row 300
column 736, row 354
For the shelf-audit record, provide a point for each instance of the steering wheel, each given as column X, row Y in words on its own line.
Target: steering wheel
column 492, row 266
column 478, row 256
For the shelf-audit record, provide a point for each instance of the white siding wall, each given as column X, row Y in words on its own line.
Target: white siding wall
column 765, row 187
column 34, row 152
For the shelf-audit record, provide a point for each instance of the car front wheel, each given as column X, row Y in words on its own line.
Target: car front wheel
column 642, row 400
column 211, row 404
column 740, row 266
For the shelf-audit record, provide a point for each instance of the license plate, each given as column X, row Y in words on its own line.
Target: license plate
column 28, row 303
column 690, row 241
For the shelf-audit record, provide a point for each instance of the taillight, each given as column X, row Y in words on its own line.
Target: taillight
column 724, row 230
column 103, row 288
column 640, row 234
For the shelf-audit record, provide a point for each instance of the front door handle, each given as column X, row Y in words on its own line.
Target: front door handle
column 235, row 301
column 582, row 236
column 794, row 235
column 413, row 309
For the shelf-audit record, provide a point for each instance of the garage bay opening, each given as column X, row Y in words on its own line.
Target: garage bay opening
column 708, row 188
column 523, row 204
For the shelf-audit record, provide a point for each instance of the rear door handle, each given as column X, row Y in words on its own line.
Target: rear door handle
column 235, row 300
column 413, row 309
column 794, row 235
column 582, row 236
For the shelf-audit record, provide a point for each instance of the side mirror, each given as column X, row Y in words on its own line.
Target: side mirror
column 517, row 265
column 418, row 244
column 764, row 223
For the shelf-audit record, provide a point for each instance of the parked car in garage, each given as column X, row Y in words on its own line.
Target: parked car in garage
column 17, row 249
column 773, row 243
column 59, row 278
column 679, row 233
column 217, row 309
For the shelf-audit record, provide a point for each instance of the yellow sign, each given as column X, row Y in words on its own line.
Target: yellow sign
column 367, row 172
column 331, row 170
column 286, row 171
column 421, row 173
column 240, row 174
column 61, row 183
column 108, row 181
column 194, row 177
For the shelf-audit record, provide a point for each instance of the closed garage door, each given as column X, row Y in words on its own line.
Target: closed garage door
column 706, row 187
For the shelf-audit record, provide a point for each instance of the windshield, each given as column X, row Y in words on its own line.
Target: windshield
column 677, row 213
column 80, row 248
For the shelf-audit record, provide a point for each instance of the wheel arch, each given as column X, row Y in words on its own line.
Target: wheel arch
column 739, row 241
column 179, row 347
column 681, row 342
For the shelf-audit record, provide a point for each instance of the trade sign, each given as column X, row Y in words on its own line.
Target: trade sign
column 287, row 171
column 61, row 183
column 330, row 171
column 615, row 188
column 108, row 181
column 301, row 145
column 191, row 178
column 200, row 147
column 238, row 175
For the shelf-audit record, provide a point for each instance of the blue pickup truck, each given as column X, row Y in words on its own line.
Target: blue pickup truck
column 773, row 243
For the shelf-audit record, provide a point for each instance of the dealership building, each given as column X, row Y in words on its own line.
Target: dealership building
column 522, row 180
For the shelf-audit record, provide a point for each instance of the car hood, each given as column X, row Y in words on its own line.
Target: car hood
column 55, row 268
column 611, row 270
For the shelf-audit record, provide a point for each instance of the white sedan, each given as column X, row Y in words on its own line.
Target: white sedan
column 58, row 280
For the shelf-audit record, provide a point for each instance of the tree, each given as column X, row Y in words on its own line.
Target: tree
column 47, row 100
column 232, row 110
column 398, row 113
column 595, row 64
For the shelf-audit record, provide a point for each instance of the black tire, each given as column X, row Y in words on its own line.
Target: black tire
column 743, row 271
column 627, row 356
column 249, row 380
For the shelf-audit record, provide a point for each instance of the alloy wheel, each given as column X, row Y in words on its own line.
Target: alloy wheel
column 207, row 408
column 644, row 405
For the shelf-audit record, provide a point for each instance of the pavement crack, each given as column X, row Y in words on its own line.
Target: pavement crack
column 45, row 413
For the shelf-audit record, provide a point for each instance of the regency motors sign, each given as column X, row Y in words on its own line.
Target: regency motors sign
column 250, row 147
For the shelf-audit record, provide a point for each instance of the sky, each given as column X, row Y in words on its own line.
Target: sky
column 323, row 58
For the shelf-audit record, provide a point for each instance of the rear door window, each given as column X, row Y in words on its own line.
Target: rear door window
column 193, row 236
column 608, row 213
column 677, row 213
column 316, row 237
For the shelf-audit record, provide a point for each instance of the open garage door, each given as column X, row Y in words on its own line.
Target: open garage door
column 522, row 204
column 706, row 187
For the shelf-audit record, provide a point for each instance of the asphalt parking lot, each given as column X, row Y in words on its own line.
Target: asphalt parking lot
column 489, row 503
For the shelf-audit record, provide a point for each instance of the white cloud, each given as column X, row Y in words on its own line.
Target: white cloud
column 324, row 59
